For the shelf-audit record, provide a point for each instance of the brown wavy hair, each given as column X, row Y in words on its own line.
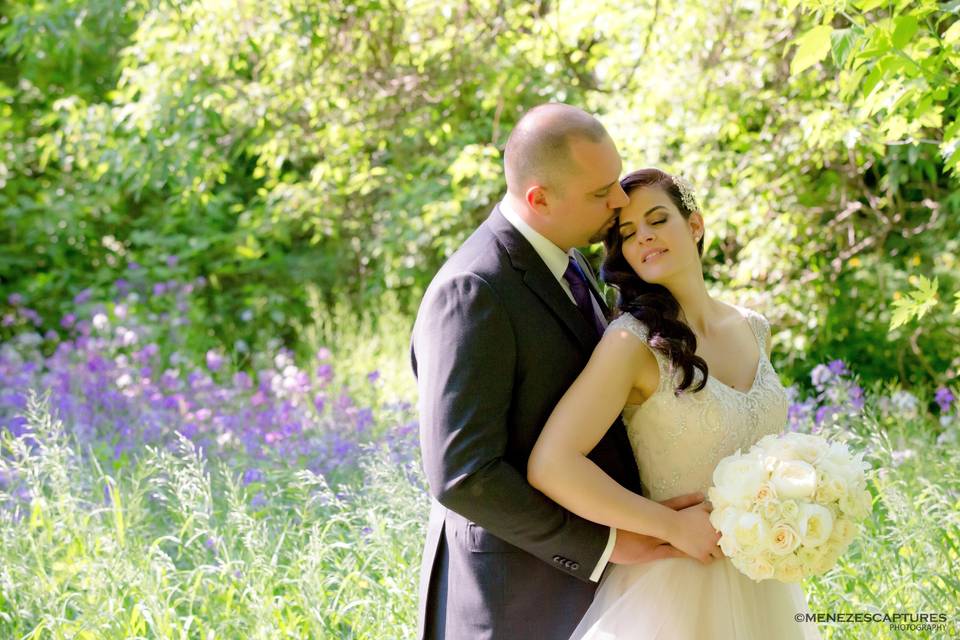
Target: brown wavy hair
column 653, row 304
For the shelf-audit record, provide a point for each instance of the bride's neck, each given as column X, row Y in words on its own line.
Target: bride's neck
column 698, row 310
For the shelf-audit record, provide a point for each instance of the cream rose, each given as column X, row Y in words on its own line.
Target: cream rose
column 790, row 510
column 815, row 524
column 789, row 569
column 794, row 479
column 856, row 503
column 760, row 568
column 783, row 539
column 769, row 510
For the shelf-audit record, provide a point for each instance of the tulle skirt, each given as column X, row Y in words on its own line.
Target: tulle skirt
column 681, row 599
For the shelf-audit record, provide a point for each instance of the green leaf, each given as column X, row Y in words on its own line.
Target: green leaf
column 812, row 47
column 916, row 303
column 952, row 35
column 906, row 27
column 902, row 313
column 956, row 303
column 842, row 42
column 868, row 5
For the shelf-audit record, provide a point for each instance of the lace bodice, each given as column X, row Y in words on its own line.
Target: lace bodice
column 678, row 441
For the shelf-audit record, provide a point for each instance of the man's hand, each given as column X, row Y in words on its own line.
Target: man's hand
column 635, row 548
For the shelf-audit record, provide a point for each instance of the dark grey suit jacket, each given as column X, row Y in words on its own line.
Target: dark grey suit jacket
column 496, row 344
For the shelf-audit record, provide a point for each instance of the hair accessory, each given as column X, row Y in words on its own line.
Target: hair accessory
column 686, row 193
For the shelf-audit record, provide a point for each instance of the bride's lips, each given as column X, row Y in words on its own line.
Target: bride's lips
column 653, row 254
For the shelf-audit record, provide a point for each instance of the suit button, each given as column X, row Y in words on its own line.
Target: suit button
column 557, row 559
column 575, row 565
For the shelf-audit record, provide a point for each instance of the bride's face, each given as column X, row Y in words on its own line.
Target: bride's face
column 658, row 242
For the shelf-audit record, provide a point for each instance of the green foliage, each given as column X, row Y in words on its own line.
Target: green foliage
column 351, row 146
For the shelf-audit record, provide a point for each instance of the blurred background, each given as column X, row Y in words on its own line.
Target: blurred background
column 305, row 155
column 218, row 217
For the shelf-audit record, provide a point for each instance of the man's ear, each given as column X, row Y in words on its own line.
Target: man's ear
column 537, row 200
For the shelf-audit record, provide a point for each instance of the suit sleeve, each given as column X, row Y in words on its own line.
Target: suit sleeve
column 464, row 355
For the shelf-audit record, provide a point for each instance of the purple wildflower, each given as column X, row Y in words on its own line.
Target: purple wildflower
column 824, row 413
column 214, row 360
column 364, row 419
column 837, row 367
column 373, row 376
column 242, row 381
column 252, row 475
column 83, row 297
column 820, row 376
column 856, row 397
column 944, row 399
column 15, row 299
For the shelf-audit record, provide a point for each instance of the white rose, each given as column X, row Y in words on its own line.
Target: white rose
column 794, row 479
column 723, row 519
column 844, row 531
column 750, row 532
column 769, row 510
column 816, row 524
column 856, row 503
column 830, row 489
column 728, row 544
column 789, row 569
column 790, row 510
column 766, row 491
column 808, row 448
column 760, row 568
column 738, row 477
column 783, row 539
column 808, row 557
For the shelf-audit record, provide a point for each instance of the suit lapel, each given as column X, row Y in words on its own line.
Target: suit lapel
column 538, row 278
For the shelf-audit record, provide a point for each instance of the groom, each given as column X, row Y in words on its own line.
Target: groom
column 503, row 330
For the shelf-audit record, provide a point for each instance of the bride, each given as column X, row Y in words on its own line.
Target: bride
column 692, row 378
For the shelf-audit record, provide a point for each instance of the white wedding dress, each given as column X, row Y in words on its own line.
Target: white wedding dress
column 677, row 443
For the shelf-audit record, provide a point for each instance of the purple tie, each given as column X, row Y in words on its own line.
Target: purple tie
column 581, row 293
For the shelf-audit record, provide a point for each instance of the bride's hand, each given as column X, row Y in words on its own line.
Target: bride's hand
column 694, row 535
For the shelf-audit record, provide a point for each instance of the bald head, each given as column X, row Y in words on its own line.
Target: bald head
column 538, row 150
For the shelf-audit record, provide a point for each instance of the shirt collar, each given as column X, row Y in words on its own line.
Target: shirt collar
column 553, row 256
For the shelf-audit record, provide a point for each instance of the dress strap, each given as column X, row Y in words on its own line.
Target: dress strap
column 628, row 322
column 758, row 324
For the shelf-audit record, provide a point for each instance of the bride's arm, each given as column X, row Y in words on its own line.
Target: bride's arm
column 559, row 466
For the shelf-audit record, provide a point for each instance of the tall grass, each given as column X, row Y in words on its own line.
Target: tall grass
column 907, row 558
column 174, row 548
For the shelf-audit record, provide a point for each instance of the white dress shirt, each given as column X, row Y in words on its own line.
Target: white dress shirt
column 557, row 260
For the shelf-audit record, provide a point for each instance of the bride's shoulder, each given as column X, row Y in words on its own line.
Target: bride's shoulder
column 751, row 315
column 627, row 322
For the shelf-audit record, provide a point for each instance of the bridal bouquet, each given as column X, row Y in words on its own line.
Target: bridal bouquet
column 789, row 507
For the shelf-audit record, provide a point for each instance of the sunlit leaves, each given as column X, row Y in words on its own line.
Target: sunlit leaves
column 916, row 303
column 812, row 47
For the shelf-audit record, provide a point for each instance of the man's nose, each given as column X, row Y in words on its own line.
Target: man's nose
column 620, row 198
